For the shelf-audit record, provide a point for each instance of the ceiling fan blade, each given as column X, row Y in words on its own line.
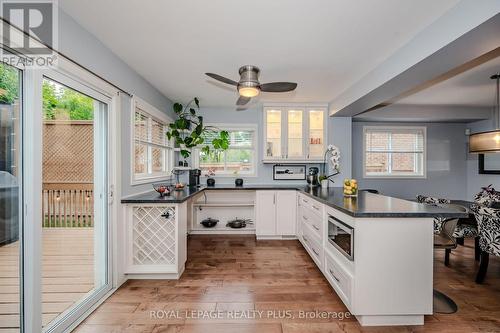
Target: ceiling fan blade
column 222, row 79
column 242, row 100
column 278, row 86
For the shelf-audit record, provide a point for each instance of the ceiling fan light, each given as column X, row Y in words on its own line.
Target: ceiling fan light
column 485, row 142
column 248, row 91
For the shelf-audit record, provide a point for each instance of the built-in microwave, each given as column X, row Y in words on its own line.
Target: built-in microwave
column 341, row 236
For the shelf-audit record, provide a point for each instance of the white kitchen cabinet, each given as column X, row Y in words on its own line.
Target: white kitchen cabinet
column 275, row 213
column 286, row 214
column 294, row 133
column 156, row 245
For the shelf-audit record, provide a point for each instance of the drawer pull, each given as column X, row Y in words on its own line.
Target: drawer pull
column 306, row 201
column 305, row 239
column 315, row 252
column 331, row 273
column 305, row 218
column 316, row 207
column 315, row 227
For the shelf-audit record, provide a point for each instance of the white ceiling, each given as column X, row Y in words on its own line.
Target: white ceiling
column 470, row 88
column 323, row 45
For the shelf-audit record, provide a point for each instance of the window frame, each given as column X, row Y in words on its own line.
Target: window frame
column 390, row 129
column 254, row 148
column 151, row 113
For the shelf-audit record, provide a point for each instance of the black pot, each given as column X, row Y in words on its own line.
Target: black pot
column 238, row 182
column 210, row 182
column 209, row 223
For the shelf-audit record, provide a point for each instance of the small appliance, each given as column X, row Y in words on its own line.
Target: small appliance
column 194, row 177
column 312, row 177
column 341, row 236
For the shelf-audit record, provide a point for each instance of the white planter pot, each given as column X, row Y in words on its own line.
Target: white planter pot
column 324, row 183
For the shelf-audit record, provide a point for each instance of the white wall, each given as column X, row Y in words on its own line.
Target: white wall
column 474, row 180
column 446, row 166
column 82, row 47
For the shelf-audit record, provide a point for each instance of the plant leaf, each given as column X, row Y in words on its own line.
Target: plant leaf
column 185, row 153
column 193, row 111
column 197, row 102
column 177, row 107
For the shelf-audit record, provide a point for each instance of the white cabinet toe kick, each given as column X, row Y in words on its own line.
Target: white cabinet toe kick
column 386, row 278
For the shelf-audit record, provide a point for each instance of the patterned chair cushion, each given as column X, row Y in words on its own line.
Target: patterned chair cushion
column 465, row 231
column 487, row 197
column 488, row 220
column 438, row 221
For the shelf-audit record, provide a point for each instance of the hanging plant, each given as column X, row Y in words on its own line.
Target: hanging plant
column 188, row 131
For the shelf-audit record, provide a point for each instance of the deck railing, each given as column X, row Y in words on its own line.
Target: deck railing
column 67, row 205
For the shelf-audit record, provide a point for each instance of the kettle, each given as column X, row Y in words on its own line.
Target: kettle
column 312, row 177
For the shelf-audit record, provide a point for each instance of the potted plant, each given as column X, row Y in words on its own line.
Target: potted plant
column 188, row 130
column 210, row 173
column 334, row 161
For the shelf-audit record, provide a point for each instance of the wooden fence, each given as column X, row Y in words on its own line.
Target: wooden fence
column 67, row 205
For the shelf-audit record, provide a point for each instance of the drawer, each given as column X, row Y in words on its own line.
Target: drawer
column 338, row 278
column 309, row 218
column 313, row 245
column 311, row 204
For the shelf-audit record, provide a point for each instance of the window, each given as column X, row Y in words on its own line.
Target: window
column 239, row 159
column 153, row 153
column 397, row 152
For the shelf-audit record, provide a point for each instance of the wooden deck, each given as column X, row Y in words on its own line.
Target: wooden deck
column 238, row 273
column 68, row 274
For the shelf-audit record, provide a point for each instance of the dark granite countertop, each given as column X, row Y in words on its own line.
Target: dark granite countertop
column 365, row 205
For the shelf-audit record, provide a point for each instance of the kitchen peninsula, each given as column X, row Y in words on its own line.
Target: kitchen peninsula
column 376, row 251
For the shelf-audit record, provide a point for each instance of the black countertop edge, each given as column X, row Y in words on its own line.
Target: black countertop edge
column 365, row 205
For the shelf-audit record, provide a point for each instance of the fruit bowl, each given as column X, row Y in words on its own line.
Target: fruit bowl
column 350, row 187
column 162, row 188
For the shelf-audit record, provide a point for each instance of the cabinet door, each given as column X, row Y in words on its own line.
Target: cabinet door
column 316, row 133
column 273, row 145
column 265, row 213
column 286, row 212
column 295, row 130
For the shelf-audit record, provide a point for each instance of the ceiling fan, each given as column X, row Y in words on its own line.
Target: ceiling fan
column 249, row 86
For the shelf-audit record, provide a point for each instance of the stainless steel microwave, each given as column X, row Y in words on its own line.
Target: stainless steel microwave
column 341, row 236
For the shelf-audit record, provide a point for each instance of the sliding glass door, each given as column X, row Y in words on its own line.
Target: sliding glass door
column 74, row 223
column 10, row 198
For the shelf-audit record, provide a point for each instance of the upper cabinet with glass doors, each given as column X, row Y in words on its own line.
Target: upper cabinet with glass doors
column 294, row 133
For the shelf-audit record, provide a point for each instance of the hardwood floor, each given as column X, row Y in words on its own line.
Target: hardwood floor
column 230, row 274
column 67, row 274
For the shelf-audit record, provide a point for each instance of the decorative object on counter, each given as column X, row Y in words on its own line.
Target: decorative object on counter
column 185, row 164
column 334, row 160
column 180, row 163
column 238, row 223
column 323, row 180
column 188, row 131
column 209, row 174
column 489, row 141
column 209, row 222
column 162, row 189
column 350, row 187
column 312, row 177
column 238, row 182
column 179, row 187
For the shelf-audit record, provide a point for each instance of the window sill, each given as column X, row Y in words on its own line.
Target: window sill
column 150, row 180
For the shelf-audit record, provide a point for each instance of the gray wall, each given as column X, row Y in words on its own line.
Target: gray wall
column 474, row 180
column 446, row 163
column 339, row 133
column 81, row 46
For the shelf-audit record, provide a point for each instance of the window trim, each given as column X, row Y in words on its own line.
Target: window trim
column 152, row 113
column 392, row 128
column 236, row 127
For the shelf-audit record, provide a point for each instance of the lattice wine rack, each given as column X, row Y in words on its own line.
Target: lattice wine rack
column 153, row 236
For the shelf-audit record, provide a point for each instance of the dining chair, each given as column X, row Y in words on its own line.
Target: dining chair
column 488, row 220
column 445, row 239
column 434, row 201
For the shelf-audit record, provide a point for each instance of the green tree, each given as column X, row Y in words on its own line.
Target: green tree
column 9, row 84
column 58, row 99
column 50, row 100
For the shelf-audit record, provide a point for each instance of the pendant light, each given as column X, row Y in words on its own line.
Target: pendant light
column 488, row 142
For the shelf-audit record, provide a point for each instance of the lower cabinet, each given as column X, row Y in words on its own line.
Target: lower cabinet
column 276, row 213
column 156, row 240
